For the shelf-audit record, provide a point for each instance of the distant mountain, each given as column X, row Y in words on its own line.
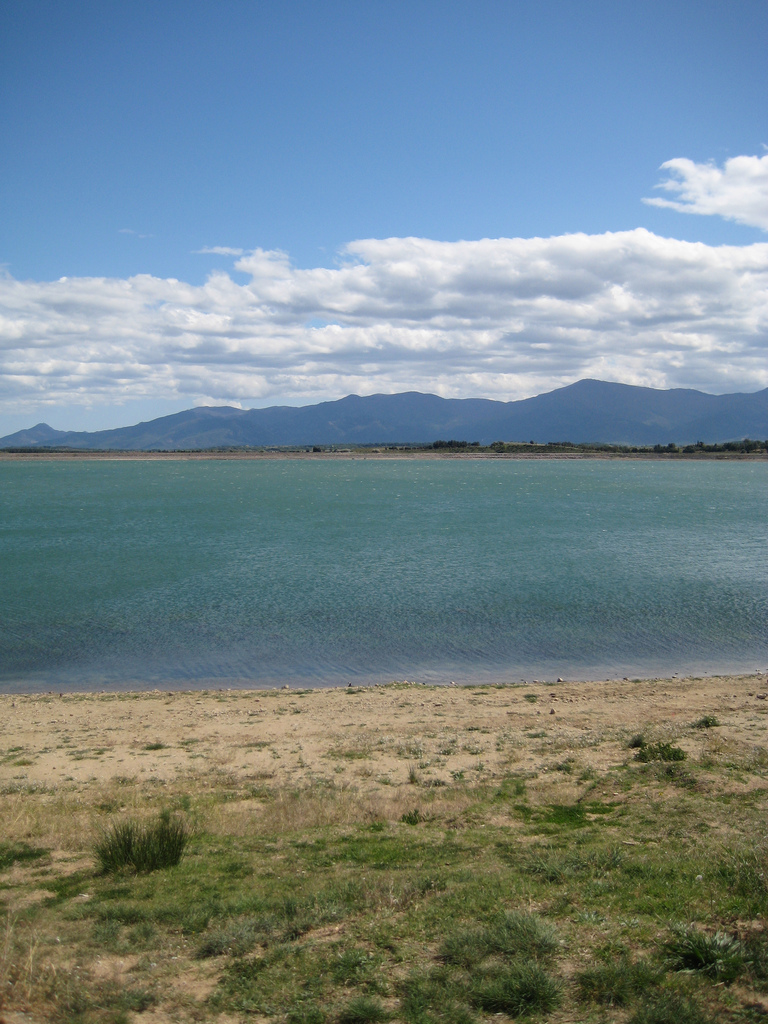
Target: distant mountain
column 589, row 410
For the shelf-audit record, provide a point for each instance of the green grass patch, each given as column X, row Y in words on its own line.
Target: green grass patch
column 617, row 983
column 516, row 989
column 19, row 853
column 660, row 752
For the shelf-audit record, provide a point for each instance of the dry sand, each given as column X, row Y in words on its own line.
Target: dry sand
column 374, row 736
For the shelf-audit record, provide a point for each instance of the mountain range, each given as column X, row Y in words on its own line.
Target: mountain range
column 587, row 411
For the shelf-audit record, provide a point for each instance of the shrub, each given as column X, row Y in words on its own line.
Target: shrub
column 660, row 752
column 706, row 722
column 142, row 846
column 720, row 956
column 637, row 742
column 412, row 817
column 516, row 989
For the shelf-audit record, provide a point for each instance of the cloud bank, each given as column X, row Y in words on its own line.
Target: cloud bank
column 738, row 192
column 503, row 318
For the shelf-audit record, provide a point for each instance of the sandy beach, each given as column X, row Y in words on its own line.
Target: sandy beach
column 368, row 735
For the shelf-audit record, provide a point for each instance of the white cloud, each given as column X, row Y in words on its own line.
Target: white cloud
column 217, row 250
column 503, row 318
column 130, row 231
column 738, row 191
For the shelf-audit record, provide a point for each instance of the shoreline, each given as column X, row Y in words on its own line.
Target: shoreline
column 490, row 679
column 112, row 733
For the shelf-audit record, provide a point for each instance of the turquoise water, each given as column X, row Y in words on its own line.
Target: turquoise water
column 145, row 574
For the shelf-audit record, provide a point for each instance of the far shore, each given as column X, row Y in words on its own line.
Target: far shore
column 34, row 455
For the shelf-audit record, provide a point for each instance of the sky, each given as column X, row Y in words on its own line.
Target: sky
column 267, row 203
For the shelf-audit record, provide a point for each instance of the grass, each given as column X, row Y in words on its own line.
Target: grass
column 719, row 956
column 669, row 1008
column 308, row 898
column 363, row 1010
column 13, row 853
column 142, row 846
column 616, row 983
column 517, row 990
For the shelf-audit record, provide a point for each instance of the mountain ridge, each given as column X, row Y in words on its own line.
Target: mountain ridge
column 586, row 411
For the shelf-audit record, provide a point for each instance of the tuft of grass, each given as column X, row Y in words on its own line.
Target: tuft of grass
column 669, row 1008
column 520, row 934
column 350, row 966
column 236, row 940
column 513, row 934
column 305, row 1013
column 142, row 846
column 616, row 983
column 157, row 745
column 465, row 948
column 516, row 989
column 412, row 817
column 435, row 997
column 719, row 956
column 363, row 1010
column 660, row 752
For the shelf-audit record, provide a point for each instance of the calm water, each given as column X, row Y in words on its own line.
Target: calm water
column 227, row 573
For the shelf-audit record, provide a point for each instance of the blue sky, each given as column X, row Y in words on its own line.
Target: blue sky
column 135, row 138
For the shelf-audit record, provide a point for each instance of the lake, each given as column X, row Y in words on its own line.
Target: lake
column 146, row 574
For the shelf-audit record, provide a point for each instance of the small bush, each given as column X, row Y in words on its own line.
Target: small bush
column 516, row 989
column 363, row 1010
column 706, row 722
column 412, row 817
column 142, row 846
column 719, row 956
column 668, row 1008
column 637, row 742
column 660, row 752
column 615, row 984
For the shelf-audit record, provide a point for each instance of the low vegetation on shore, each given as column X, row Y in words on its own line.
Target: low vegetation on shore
column 509, row 449
column 412, row 854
